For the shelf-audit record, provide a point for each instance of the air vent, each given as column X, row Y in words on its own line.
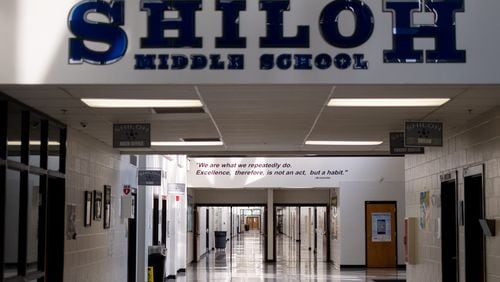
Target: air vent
column 194, row 110
column 200, row 139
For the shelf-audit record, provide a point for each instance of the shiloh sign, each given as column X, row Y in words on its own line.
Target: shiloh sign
column 184, row 24
column 250, row 41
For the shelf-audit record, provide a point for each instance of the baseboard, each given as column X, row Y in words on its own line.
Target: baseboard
column 362, row 266
column 352, row 266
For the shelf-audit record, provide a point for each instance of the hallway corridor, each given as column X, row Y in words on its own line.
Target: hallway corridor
column 245, row 263
column 287, row 250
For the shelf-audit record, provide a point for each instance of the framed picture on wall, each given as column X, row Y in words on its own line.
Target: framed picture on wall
column 107, row 206
column 70, row 222
column 87, row 213
column 97, row 205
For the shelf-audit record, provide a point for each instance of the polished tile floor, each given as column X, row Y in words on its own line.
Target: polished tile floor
column 245, row 263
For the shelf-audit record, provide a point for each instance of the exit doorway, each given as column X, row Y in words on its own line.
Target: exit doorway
column 474, row 238
column 253, row 222
column 243, row 227
column 302, row 233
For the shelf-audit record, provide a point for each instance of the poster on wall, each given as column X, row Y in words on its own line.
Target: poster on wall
column 273, row 172
column 334, row 223
column 70, row 222
column 88, row 209
column 97, row 205
column 381, row 227
column 424, row 217
column 107, row 206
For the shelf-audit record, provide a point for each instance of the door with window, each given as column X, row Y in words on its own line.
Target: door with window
column 381, row 231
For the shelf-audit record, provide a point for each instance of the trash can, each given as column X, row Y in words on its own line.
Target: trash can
column 156, row 260
column 247, row 227
column 220, row 239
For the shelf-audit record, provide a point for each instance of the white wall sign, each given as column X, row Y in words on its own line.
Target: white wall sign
column 249, row 41
column 176, row 188
column 292, row 172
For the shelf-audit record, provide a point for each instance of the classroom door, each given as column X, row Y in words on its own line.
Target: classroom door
column 253, row 222
column 381, row 246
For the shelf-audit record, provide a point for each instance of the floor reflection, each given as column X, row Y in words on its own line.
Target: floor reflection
column 245, row 263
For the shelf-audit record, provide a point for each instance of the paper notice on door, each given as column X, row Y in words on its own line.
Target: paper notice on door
column 381, row 227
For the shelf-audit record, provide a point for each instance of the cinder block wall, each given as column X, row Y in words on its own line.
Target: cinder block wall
column 477, row 143
column 97, row 254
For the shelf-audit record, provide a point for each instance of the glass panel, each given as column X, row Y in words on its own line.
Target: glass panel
column 34, row 202
column 14, row 133
column 35, row 137
column 11, row 223
column 54, row 147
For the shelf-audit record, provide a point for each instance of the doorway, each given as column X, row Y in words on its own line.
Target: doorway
column 55, row 229
column 207, row 231
column 253, row 222
column 302, row 233
column 449, row 227
column 380, row 234
column 474, row 237
column 244, row 229
column 132, row 241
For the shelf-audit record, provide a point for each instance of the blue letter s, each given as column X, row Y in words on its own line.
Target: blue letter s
column 108, row 33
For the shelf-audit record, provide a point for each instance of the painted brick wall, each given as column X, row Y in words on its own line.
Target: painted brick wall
column 97, row 254
column 477, row 143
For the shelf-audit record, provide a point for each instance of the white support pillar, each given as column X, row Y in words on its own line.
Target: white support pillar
column 270, row 225
column 171, row 270
column 144, row 230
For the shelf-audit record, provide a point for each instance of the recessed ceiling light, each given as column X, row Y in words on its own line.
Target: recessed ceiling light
column 143, row 103
column 387, row 102
column 192, row 143
column 32, row 143
column 344, row 143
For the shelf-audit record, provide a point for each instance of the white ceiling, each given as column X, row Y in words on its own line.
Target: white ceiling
column 260, row 119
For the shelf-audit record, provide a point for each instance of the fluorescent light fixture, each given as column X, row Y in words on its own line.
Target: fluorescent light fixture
column 386, row 102
column 183, row 143
column 32, row 143
column 143, row 103
column 344, row 143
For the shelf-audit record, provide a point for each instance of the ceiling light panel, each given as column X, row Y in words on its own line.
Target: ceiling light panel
column 181, row 143
column 143, row 103
column 386, row 102
column 343, row 143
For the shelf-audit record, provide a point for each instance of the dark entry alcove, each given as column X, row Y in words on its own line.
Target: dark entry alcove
column 449, row 227
column 474, row 237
